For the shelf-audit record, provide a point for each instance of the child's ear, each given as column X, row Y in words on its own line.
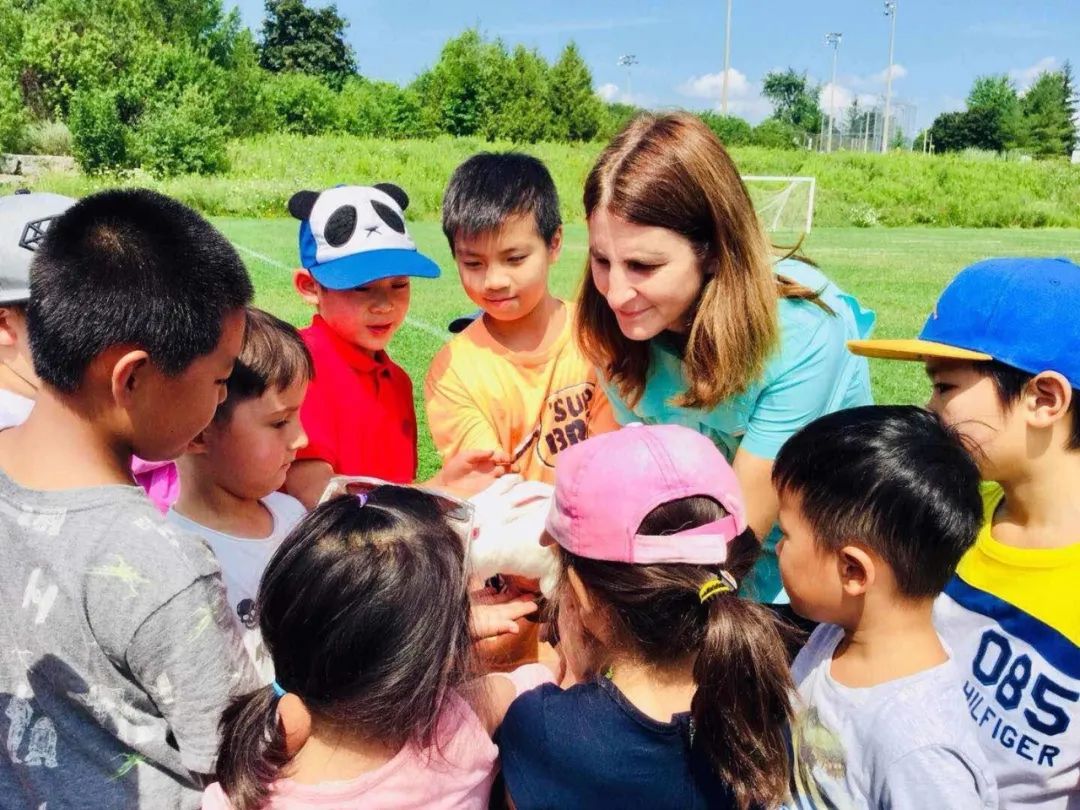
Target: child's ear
column 197, row 446
column 556, row 245
column 1048, row 398
column 129, row 372
column 8, row 335
column 857, row 570
column 306, row 285
column 295, row 721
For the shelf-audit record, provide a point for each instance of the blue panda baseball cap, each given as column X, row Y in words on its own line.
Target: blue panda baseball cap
column 354, row 235
column 1021, row 312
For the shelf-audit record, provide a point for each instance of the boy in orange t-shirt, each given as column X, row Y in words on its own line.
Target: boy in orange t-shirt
column 514, row 379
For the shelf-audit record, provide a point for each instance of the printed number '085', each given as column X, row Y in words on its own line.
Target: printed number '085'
column 994, row 665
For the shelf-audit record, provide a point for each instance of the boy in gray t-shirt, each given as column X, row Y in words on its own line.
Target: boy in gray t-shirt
column 119, row 654
column 877, row 505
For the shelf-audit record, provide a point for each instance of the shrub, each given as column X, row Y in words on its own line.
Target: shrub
column 775, row 134
column 48, row 138
column 182, row 138
column 12, row 114
column 730, row 129
column 301, row 103
column 97, row 133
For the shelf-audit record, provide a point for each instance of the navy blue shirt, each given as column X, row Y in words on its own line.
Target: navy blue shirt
column 589, row 747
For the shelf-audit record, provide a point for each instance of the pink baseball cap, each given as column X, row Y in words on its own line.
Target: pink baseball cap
column 607, row 485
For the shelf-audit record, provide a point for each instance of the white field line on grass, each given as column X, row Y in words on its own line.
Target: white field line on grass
column 416, row 323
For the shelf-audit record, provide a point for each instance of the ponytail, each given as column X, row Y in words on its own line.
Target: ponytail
column 252, row 750
column 742, row 707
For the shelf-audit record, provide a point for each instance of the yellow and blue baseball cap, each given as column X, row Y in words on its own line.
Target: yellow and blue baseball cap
column 1022, row 312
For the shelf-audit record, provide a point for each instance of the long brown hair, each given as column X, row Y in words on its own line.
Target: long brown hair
column 741, row 709
column 672, row 172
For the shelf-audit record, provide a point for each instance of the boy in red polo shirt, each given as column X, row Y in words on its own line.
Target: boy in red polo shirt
column 358, row 414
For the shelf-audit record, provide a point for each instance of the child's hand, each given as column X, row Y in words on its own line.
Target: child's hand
column 471, row 471
column 495, row 614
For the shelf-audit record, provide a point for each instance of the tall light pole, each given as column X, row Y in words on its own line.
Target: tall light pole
column 832, row 39
column 628, row 60
column 727, row 59
column 890, row 11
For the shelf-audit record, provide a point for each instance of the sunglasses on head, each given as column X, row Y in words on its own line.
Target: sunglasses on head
column 461, row 514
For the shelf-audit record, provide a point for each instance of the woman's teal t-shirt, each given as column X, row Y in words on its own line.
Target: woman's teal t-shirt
column 810, row 374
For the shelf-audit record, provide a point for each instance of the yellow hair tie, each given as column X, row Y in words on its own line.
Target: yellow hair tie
column 725, row 583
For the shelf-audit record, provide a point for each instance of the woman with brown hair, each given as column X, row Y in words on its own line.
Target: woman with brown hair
column 691, row 319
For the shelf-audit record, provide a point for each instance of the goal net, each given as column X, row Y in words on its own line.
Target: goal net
column 785, row 205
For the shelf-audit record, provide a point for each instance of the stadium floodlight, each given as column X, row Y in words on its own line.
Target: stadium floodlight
column 832, row 39
column 890, row 11
column 628, row 60
column 727, row 59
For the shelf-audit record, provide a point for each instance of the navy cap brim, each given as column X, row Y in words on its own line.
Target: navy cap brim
column 461, row 323
column 359, row 269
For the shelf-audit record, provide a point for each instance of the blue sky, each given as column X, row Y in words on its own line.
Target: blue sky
column 941, row 45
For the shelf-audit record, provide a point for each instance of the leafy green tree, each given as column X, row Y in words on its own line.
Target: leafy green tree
column 1072, row 99
column 453, row 91
column 13, row 119
column 613, row 117
column 575, row 108
column 730, row 129
column 1050, row 128
column 302, row 103
column 794, row 99
column 299, row 39
column 525, row 117
column 999, row 93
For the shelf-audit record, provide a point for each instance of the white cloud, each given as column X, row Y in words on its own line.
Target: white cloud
column 898, row 72
column 1025, row 77
column 745, row 99
column 744, row 96
column 608, row 92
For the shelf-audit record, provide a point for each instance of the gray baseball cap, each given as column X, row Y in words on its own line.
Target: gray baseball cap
column 24, row 219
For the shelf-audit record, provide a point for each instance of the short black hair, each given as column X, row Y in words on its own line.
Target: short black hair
column 1009, row 383
column 130, row 266
column 274, row 356
column 892, row 477
column 491, row 186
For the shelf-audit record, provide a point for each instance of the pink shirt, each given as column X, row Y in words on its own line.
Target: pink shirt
column 457, row 778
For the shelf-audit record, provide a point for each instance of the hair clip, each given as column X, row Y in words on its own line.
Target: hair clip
column 724, row 583
column 362, row 497
column 278, row 691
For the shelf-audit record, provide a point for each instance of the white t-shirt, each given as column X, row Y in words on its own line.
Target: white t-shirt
column 904, row 744
column 242, row 561
column 14, row 408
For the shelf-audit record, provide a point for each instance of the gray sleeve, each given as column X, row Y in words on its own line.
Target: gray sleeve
column 935, row 776
column 190, row 658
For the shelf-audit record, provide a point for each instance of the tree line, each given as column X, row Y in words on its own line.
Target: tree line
column 1041, row 121
column 164, row 84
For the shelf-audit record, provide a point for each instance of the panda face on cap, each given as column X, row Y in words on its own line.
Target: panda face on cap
column 353, row 235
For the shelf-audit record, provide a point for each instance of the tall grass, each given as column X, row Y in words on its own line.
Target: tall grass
column 853, row 188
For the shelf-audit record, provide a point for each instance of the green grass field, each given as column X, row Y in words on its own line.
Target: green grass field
column 898, row 272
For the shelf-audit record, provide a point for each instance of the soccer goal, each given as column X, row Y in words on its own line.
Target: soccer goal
column 785, row 205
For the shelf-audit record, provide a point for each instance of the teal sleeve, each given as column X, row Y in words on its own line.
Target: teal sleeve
column 801, row 386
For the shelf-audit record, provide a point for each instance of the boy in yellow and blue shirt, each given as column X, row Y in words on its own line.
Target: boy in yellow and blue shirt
column 1001, row 350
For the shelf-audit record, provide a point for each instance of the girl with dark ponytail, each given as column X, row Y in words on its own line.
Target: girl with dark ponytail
column 684, row 692
column 365, row 612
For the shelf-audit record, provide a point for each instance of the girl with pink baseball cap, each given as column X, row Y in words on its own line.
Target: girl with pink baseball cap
column 683, row 693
